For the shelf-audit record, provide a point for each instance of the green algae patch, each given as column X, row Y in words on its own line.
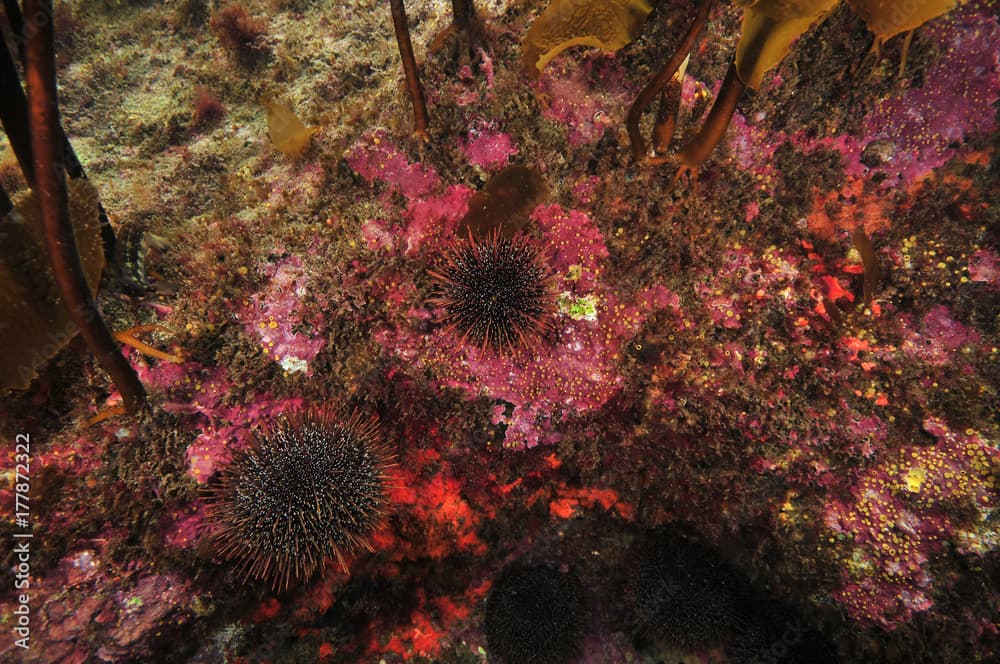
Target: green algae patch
column 578, row 308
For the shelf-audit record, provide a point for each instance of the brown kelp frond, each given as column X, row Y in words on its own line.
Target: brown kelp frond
column 28, row 292
column 887, row 19
column 662, row 80
column 505, row 203
column 606, row 24
column 287, row 132
column 769, row 28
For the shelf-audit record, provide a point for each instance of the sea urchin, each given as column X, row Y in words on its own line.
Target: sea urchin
column 496, row 291
column 534, row 615
column 309, row 488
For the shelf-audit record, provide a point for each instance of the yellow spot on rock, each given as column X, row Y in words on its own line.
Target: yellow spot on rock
column 914, row 478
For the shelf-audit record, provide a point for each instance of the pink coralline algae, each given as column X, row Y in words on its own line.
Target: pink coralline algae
column 151, row 602
column 189, row 388
column 374, row 157
column 429, row 219
column 904, row 511
column 939, row 338
column 276, row 316
column 231, row 426
column 198, row 393
column 923, row 124
column 721, row 356
column 918, row 129
column 425, row 220
column 586, row 98
column 745, row 283
column 488, row 148
column 98, row 611
column 984, row 267
column 575, row 373
column 183, row 526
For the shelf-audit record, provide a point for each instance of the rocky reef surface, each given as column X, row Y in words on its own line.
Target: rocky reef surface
column 761, row 424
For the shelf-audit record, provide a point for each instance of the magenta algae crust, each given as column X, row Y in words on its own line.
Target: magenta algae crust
column 763, row 400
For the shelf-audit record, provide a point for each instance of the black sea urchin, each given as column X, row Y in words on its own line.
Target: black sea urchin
column 534, row 615
column 683, row 594
column 308, row 489
column 496, row 291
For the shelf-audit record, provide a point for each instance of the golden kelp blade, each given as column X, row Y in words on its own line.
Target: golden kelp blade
column 288, row 134
column 769, row 28
column 34, row 322
column 606, row 24
column 888, row 18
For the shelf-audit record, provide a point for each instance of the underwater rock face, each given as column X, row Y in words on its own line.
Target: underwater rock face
column 796, row 354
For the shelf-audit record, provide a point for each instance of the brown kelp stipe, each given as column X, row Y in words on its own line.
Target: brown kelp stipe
column 700, row 146
column 464, row 29
column 50, row 182
column 463, row 14
column 410, row 69
column 666, row 114
column 14, row 115
column 16, row 21
column 660, row 81
column 6, row 205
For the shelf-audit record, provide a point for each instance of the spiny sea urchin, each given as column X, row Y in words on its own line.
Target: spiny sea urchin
column 682, row 593
column 496, row 291
column 309, row 488
column 534, row 615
